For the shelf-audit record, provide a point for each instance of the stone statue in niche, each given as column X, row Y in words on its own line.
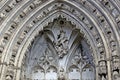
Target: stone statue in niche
column 116, row 63
column 61, row 45
column 116, row 71
column 103, row 70
column 10, row 73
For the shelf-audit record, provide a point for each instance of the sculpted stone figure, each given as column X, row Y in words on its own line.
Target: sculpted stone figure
column 2, row 15
column 116, row 65
column 61, row 44
column 102, row 70
column 116, row 61
column 10, row 73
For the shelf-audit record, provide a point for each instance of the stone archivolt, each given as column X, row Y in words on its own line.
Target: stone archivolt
column 22, row 20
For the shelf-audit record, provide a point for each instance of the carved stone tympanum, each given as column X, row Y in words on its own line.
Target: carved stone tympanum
column 59, row 52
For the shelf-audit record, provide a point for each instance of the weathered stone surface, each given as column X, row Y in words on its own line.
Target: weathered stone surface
column 59, row 37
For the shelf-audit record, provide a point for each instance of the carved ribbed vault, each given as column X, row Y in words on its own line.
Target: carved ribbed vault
column 23, row 20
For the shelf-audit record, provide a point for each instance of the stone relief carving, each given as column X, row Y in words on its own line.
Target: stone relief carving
column 10, row 73
column 46, row 60
column 108, row 5
column 116, row 67
column 51, row 54
column 61, row 45
column 103, row 70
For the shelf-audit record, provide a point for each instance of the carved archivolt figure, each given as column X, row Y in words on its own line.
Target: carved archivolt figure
column 116, row 67
column 103, row 70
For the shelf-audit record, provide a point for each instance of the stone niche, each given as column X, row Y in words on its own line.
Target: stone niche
column 59, row 52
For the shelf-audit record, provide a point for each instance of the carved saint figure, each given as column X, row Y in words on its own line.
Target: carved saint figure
column 61, row 44
column 116, row 71
column 103, row 70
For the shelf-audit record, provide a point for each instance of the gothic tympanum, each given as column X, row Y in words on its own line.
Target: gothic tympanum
column 59, row 52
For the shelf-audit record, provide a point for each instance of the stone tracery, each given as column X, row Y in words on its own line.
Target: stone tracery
column 50, row 61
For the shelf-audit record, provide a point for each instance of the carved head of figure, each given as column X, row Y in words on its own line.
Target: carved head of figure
column 102, row 67
column 116, row 61
column 102, row 63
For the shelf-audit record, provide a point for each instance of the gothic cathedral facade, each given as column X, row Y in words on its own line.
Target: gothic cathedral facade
column 59, row 39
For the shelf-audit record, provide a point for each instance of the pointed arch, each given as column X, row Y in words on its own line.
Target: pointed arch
column 20, row 21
